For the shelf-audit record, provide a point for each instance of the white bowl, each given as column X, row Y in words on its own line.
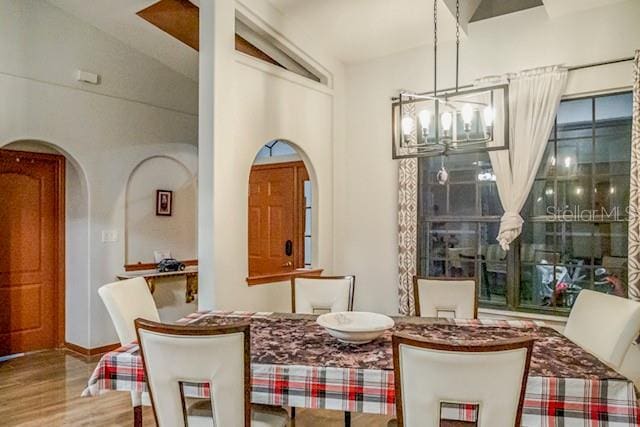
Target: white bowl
column 355, row 327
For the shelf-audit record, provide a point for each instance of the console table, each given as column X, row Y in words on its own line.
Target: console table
column 190, row 273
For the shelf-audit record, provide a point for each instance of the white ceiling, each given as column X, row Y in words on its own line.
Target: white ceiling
column 118, row 18
column 352, row 30
column 563, row 7
column 357, row 30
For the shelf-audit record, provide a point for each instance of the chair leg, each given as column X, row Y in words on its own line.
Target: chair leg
column 293, row 412
column 347, row 419
column 137, row 416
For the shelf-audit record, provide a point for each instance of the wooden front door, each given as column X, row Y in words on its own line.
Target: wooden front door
column 31, row 251
column 276, row 207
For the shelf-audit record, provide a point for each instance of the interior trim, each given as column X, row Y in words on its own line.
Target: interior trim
column 152, row 265
column 282, row 277
column 91, row 351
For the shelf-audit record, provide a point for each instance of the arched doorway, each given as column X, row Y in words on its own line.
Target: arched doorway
column 280, row 214
column 150, row 234
column 46, row 238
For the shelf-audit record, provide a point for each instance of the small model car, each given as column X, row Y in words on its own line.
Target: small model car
column 170, row 264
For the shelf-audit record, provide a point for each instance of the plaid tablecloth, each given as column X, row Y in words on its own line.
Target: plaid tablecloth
column 295, row 363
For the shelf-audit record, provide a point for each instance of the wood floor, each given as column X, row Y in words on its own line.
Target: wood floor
column 44, row 389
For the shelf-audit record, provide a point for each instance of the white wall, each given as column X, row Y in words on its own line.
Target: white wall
column 256, row 103
column 141, row 109
column 147, row 232
column 367, row 214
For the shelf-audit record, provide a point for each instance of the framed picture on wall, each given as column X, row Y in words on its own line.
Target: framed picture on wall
column 164, row 202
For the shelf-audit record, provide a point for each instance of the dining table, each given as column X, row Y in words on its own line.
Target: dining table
column 296, row 363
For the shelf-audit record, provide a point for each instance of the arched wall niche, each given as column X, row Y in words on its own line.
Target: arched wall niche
column 77, row 240
column 146, row 232
column 269, row 157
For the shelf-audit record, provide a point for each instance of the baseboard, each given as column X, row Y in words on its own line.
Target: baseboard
column 91, row 351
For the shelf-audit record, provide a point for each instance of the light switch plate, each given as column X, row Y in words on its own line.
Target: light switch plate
column 109, row 236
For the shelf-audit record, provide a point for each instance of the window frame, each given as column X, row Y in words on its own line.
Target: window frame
column 513, row 259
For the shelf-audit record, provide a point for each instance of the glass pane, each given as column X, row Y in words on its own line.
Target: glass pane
column 574, row 111
column 575, row 242
column 537, row 241
column 281, row 148
column 614, row 107
column 307, row 251
column 434, row 200
column 468, row 175
column 613, row 149
column 460, row 162
column 493, row 266
column 611, row 244
column 547, row 285
column 575, row 196
column 541, row 201
column 611, row 196
column 490, row 200
column 450, row 246
column 307, row 222
column 307, row 194
column 611, row 281
column 613, row 134
column 575, row 153
column 548, row 164
column 462, row 199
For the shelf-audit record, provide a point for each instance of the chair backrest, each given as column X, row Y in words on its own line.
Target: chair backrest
column 445, row 297
column 431, row 374
column 219, row 355
column 604, row 325
column 319, row 294
column 127, row 300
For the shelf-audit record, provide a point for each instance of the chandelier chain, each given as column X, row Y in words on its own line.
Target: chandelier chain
column 457, row 43
column 435, row 47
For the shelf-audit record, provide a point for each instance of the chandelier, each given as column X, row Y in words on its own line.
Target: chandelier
column 452, row 121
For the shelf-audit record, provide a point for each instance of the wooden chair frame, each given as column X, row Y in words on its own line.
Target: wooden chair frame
column 352, row 286
column 416, row 293
column 503, row 345
column 186, row 330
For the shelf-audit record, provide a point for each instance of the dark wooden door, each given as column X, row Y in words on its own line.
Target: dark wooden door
column 31, row 251
column 271, row 214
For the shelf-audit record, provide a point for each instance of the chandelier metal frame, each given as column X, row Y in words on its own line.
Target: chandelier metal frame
column 412, row 144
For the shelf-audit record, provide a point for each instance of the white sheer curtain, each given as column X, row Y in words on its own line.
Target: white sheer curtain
column 534, row 97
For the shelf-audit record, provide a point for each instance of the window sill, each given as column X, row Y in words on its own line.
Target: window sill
column 282, row 277
column 490, row 312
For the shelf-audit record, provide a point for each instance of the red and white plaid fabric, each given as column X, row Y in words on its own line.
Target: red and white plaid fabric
column 549, row 401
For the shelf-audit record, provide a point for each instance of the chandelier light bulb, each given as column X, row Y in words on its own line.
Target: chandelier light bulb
column 407, row 127
column 467, row 114
column 488, row 116
column 425, row 120
column 446, row 119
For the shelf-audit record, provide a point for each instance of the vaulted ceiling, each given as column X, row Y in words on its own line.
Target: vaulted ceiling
column 351, row 30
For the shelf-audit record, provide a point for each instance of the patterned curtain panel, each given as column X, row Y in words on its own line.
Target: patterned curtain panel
column 407, row 232
column 634, row 199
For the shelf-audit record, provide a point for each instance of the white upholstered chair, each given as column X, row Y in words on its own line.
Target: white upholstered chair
column 630, row 367
column 445, row 297
column 218, row 355
column 127, row 300
column 322, row 294
column 604, row 325
column 431, row 374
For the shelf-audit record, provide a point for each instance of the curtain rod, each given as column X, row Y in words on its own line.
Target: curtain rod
column 573, row 68
column 598, row 64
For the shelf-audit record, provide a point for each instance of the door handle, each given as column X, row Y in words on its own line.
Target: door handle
column 288, row 248
column 287, row 264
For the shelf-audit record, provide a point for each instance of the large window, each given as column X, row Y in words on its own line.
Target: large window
column 575, row 231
